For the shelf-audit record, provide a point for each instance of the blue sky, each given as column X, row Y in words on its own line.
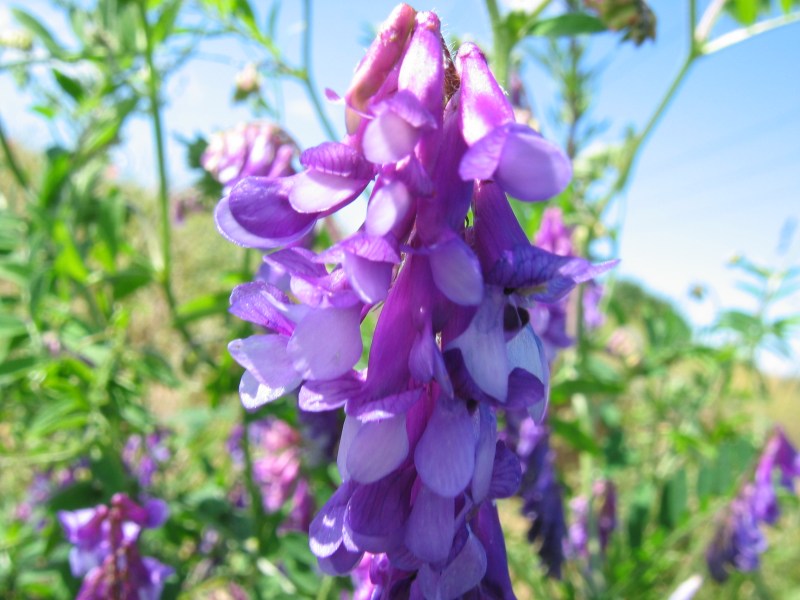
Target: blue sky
column 719, row 176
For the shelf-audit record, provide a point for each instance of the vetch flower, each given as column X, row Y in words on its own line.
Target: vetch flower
column 142, row 455
column 738, row 540
column 249, row 149
column 105, row 549
column 275, row 449
column 419, row 455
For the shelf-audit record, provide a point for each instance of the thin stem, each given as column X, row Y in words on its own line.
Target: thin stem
column 17, row 171
column 707, row 21
column 632, row 151
column 307, row 77
column 165, row 272
column 502, row 49
column 256, row 500
column 745, row 33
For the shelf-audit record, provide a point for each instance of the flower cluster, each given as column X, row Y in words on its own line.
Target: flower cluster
column 249, row 149
column 106, row 552
column 275, row 455
column 589, row 520
column 739, row 542
column 143, row 455
column 419, row 454
column 541, row 493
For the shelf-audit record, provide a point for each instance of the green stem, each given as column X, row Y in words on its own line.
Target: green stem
column 501, row 47
column 745, row 33
column 307, row 77
column 16, row 170
column 165, row 272
column 256, row 500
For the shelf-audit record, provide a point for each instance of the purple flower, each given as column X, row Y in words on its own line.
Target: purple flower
column 143, row 455
column 738, row 541
column 249, row 149
column 419, row 457
column 276, row 458
column 105, row 550
column 780, row 455
column 589, row 520
column 540, row 491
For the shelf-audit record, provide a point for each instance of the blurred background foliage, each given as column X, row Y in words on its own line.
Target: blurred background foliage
column 114, row 323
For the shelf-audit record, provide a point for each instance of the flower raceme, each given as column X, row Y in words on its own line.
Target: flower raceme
column 105, row 549
column 419, row 453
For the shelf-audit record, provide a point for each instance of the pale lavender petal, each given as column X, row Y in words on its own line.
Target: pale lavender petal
column 267, row 359
column 445, row 454
column 369, row 279
column 377, row 449
column 257, row 302
column 389, row 138
column 481, row 160
column 464, row 572
column 431, row 526
column 483, row 347
column 315, row 192
column 254, row 394
column 326, row 343
column 387, row 207
column 531, row 168
column 457, row 272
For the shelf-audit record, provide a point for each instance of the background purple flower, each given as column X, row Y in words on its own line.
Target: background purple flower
column 249, row 149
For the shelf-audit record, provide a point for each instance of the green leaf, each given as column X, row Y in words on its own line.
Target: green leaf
column 18, row 367
column 33, row 25
column 571, row 432
column 59, row 165
column 746, row 11
column 69, row 261
column 11, row 326
column 639, row 514
column 166, row 20
column 64, row 415
column 674, row 497
column 567, row 25
column 128, row 280
column 155, row 367
column 69, row 84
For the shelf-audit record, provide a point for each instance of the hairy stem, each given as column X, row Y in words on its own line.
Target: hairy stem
column 501, row 53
